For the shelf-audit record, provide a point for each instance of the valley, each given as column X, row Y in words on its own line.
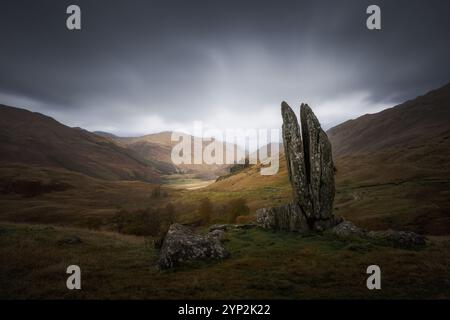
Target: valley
column 392, row 171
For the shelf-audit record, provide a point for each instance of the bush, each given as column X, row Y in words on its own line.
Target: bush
column 143, row 222
column 156, row 192
column 237, row 207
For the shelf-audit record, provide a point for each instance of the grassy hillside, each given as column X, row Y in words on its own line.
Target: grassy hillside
column 83, row 201
column 34, row 139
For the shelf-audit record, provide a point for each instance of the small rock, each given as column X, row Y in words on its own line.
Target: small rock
column 182, row 244
column 245, row 226
column 223, row 227
column 71, row 240
column 399, row 239
column 217, row 233
column 227, row 227
column 347, row 229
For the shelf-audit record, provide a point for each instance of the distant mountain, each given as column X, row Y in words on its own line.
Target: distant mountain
column 410, row 140
column 150, row 147
column 157, row 148
column 106, row 134
column 35, row 139
column 413, row 123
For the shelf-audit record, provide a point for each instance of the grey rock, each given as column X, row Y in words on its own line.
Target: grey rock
column 182, row 244
column 311, row 174
column 288, row 217
column 218, row 234
column 295, row 159
column 223, row 227
column 318, row 164
column 245, row 226
column 347, row 229
column 399, row 239
column 227, row 227
column 71, row 240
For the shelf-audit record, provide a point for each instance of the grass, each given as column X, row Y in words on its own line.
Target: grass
column 419, row 204
column 263, row 264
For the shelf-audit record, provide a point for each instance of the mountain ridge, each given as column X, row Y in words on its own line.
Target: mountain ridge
column 37, row 139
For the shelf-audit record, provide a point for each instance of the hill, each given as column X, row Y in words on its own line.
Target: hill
column 157, row 148
column 35, row 139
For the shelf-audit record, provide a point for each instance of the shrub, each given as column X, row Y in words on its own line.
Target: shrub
column 156, row 192
column 143, row 222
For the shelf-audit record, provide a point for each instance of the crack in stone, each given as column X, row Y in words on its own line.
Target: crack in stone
column 310, row 169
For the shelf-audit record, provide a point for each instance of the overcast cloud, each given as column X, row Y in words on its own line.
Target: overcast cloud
column 138, row 67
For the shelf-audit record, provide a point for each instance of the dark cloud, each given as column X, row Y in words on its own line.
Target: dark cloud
column 143, row 66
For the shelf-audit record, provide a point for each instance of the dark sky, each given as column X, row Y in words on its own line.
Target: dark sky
column 145, row 66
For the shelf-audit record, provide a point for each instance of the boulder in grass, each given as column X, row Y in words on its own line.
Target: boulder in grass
column 347, row 229
column 399, row 239
column 182, row 244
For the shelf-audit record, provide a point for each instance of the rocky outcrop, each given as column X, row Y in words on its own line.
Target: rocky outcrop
column 182, row 244
column 397, row 239
column 227, row 227
column 289, row 217
column 347, row 229
column 71, row 240
column 311, row 174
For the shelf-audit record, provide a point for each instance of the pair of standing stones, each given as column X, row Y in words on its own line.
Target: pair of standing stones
column 311, row 173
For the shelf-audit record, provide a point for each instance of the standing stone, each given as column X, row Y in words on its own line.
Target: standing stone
column 318, row 163
column 311, row 174
column 295, row 160
column 289, row 217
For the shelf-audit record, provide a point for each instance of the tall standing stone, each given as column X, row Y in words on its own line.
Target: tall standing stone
column 318, row 163
column 295, row 160
column 311, row 174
